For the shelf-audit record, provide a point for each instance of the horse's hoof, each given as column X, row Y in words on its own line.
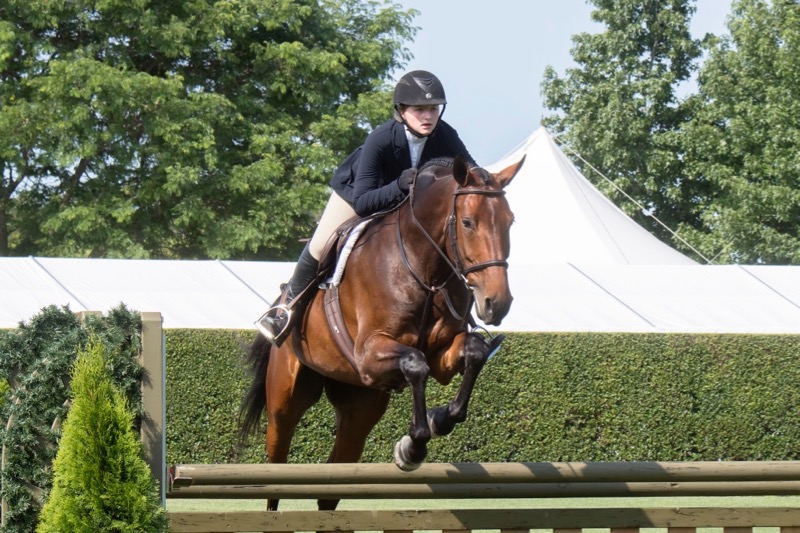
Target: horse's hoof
column 401, row 457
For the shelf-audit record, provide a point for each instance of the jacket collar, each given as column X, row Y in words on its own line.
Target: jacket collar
column 399, row 141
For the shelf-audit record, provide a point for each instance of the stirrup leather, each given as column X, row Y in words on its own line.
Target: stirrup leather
column 273, row 312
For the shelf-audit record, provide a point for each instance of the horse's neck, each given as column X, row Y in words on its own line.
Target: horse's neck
column 426, row 238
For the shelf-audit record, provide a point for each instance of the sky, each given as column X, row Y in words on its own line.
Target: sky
column 491, row 56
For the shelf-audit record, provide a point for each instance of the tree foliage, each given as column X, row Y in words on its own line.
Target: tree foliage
column 185, row 129
column 744, row 137
column 618, row 108
column 721, row 166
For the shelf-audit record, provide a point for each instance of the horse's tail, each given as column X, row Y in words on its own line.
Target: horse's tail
column 255, row 400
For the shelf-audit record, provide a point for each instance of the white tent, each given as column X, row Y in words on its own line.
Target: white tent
column 558, row 297
column 560, row 217
column 577, row 264
column 188, row 294
column 648, row 298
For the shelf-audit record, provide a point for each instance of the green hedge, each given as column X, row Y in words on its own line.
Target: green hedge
column 205, row 385
column 544, row 397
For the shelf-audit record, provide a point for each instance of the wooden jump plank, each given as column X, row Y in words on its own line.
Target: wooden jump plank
column 489, row 490
column 522, row 519
column 325, row 474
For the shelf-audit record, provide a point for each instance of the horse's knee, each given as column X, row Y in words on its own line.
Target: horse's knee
column 414, row 367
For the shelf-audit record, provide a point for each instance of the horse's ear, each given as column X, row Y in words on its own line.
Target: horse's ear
column 460, row 170
column 505, row 176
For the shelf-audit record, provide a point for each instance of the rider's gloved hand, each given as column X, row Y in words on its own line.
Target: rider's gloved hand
column 406, row 179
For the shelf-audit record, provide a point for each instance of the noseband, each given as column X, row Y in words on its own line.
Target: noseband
column 452, row 243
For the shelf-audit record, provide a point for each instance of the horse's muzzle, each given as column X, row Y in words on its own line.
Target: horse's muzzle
column 492, row 311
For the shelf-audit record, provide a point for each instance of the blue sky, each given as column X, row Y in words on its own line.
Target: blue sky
column 490, row 56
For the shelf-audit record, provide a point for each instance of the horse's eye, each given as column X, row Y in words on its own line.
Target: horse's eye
column 467, row 223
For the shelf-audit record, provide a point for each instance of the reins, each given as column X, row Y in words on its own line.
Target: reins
column 333, row 308
column 451, row 237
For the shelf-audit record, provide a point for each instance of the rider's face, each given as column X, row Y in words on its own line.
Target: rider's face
column 421, row 118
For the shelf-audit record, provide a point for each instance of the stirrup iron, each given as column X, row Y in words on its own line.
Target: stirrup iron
column 494, row 340
column 273, row 312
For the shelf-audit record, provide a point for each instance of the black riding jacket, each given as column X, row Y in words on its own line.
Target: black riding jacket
column 367, row 178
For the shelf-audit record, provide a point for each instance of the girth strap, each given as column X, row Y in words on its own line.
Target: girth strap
column 333, row 312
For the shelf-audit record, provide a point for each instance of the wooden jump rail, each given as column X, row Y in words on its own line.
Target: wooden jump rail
column 487, row 480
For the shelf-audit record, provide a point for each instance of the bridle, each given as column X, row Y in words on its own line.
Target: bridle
column 451, row 235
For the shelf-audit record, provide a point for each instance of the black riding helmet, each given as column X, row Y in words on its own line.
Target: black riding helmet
column 419, row 87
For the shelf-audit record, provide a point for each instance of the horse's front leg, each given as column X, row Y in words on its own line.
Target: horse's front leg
column 383, row 357
column 472, row 350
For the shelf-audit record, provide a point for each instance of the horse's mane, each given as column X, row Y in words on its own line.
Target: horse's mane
column 447, row 162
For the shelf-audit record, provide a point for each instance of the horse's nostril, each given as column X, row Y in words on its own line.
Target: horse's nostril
column 487, row 308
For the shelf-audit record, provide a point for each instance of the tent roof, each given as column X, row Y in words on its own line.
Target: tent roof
column 189, row 294
column 649, row 298
column 565, row 297
column 560, row 217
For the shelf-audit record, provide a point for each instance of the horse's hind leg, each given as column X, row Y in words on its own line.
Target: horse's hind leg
column 358, row 409
column 475, row 352
column 292, row 389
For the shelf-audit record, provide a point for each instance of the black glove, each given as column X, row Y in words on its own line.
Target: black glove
column 406, row 179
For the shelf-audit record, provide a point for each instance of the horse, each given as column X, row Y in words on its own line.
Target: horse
column 406, row 295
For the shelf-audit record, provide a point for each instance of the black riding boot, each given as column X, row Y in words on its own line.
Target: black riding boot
column 276, row 323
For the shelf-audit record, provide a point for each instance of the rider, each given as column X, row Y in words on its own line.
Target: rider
column 376, row 176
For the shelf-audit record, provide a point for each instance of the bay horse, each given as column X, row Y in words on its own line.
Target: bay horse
column 406, row 297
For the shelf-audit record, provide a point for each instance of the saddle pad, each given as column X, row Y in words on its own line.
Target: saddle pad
column 336, row 277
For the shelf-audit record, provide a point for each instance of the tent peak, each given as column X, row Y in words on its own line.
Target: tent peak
column 562, row 218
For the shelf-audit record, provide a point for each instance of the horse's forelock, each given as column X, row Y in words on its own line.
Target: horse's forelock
column 483, row 174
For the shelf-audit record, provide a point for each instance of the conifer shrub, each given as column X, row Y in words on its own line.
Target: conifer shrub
column 3, row 393
column 3, row 396
column 101, row 480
